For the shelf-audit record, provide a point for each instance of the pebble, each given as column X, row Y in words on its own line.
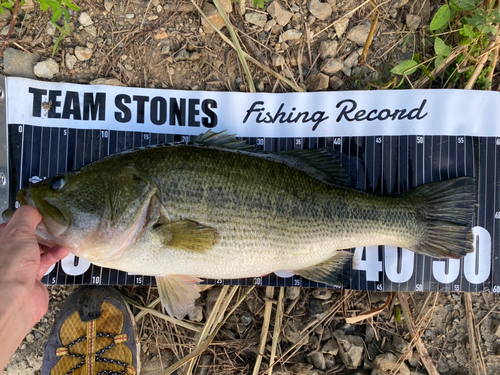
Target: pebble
column 369, row 333
column 322, row 293
column 341, row 27
column 181, row 55
column 294, row 337
column 331, row 347
column 193, row 56
column 5, row 30
column 214, row 17
column 292, row 292
column 352, row 60
column 300, row 369
column 399, row 4
column 290, row 35
column 495, row 327
column 83, row 53
column 359, row 34
column 226, row 5
column 46, row 69
column 316, row 308
column 107, row 81
column 350, row 348
column 413, row 21
column 91, row 30
column 332, row 66
column 196, row 314
column 51, row 29
column 386, row 362
column 280, row 14
column 19, row 63
column 318, row 360
column 5, row 17
column 70, row 61
column 400, row 344
column 328, row 49
column 165, row 49
column 393, row 13
column 85, row 19
column 269, row 25
column 246, row 319
column 327, row 332
column 317, row 82
column 257, row 19
column 320, row 10
column 108, row 5
column 277, row 59
column 30, row 337
column 414, row 359
column 129, row 16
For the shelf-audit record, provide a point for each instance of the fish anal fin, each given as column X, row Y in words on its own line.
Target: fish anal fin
column 188, row 235
column 177, row 293
column 329, row 271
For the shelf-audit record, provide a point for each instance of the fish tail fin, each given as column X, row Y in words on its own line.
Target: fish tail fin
column 448, row 208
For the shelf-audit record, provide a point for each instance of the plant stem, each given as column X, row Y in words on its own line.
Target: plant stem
column 12, row 23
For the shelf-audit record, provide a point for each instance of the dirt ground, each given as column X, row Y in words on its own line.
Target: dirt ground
column 164, row 44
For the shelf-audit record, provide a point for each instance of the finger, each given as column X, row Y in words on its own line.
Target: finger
column 50, row 257
column 26, row 218
column 2, row 227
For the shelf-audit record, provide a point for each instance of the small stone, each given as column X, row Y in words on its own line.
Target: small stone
column 129, row 16
column 30, row 337
column 290, row 35
column 85, row 19
column 495, row 327
column 214, row 17
column 160, row 35
column 91, row 30
column 159, row 8
column 107, row 81
column 327, row 334
column 341, row 27
column 257, row 19
column 331, row 66
column 322, row 293
column 51, row 29
column 292, row 292
column 413, row 21
column 294, row 337
column 320, row 10
column 193, row 56
column 393, row 13
column 318, row 360
column 359, row 34
column 165, row 49
column 414, row 359
column 386, row 362
column 317, row 82
column 350, row 348
column 70, row 61
column 280, row 14
column 181, row 55
column 196, row 314
column 331, row 347
column 211, row 300
column 226, row 5
column 246, row 319
column 46, row 69
column 5, row 30
column 19, row 63
column 316, row 307
column 314, row 372
column 300, row 369
column 399, row 4
column 37, row 335
column 369, row 333
column 352, row 60
column 269, row 25
column 108, row 5
column 277, row 59
column 400, row 344
column 83, row 53
column 5, row 17
column 328, row 49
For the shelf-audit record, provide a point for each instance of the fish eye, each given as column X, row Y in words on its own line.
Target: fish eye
column 57, row 183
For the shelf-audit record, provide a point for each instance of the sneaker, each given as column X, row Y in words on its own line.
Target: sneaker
column 93, row 334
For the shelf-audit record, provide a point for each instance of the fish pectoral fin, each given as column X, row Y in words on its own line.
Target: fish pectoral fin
column 188, row 235
column 177, row 293
column 328, row 272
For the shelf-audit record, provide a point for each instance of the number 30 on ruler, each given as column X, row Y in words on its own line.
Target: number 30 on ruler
column 475, row 272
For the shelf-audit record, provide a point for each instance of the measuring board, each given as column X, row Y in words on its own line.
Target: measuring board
column 383, row 164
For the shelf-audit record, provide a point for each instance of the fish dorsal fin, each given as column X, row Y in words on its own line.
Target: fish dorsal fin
column 328, row 272
column 187, row 235
column 223, row 140
column 177, row 293
column 323, row 164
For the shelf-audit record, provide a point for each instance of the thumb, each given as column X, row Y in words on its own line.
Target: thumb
column 25, row 220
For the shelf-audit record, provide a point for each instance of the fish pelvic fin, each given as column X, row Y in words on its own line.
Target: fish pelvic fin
column 330, row 271
column 448, row 209
column 188, row 235
column 177, row 293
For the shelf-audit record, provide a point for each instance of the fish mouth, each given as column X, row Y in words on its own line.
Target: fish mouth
column 54, row 220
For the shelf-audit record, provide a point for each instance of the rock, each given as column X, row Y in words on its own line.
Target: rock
column 19, row 63
column 369, row 333
column 211, row 299
column 30, row 337
column 300, row 369
column 317, row 82
column 280, row 14
column 269, row 25
column 400, row 344
column 129, row 16
column 277, row 59
column 290, row 35
column 414, row 359
column 5, row 30
column 331, row 66
column 51, row 29
column 350, row 349
column 294, row 337
column 246, row 319
column 215, row 18
column 91, row 30
column 359, row 34
column 386, row 362
column 165, row 49
column 413, row 21
column 183, row 54
column 328, row 49
column 327, row 334
column 257, row 19
column 108, row 5
column 226, row 5
column 314, row 372
column 316, row 307
column 352, row 60
column 5, row 17
column 85, row 20
column 83, row 53
column 331, row 347
column 292, row 292
column 320, row 10
column 341, row 27
column 399, row 4
column 495, row 327
column 322, row 293
column 318, row 360
column 46, row 69
column 70, row 61
column 107, row 81
column 196, row 314
column 193, row 56
column 160, row 35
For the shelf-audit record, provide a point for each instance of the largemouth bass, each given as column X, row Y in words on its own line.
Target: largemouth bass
column 213, row 209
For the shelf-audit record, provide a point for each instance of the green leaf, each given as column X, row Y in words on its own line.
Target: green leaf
column 495, row 16
column 467, row 30
column 441, row 18
column 57, row 43
column 57, row 15
column 439, row 60
column 478, row 19
column 427, row 72
column 44, row 6
column 73, row 7
column 416, row 58
column 2, row 11
column 66, row 14
column 441, row 48
column 405, row 67
column 8, row 5
column 468, row 5
column 66, row 28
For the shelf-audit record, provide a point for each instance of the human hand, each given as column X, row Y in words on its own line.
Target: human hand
column 23, row 262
